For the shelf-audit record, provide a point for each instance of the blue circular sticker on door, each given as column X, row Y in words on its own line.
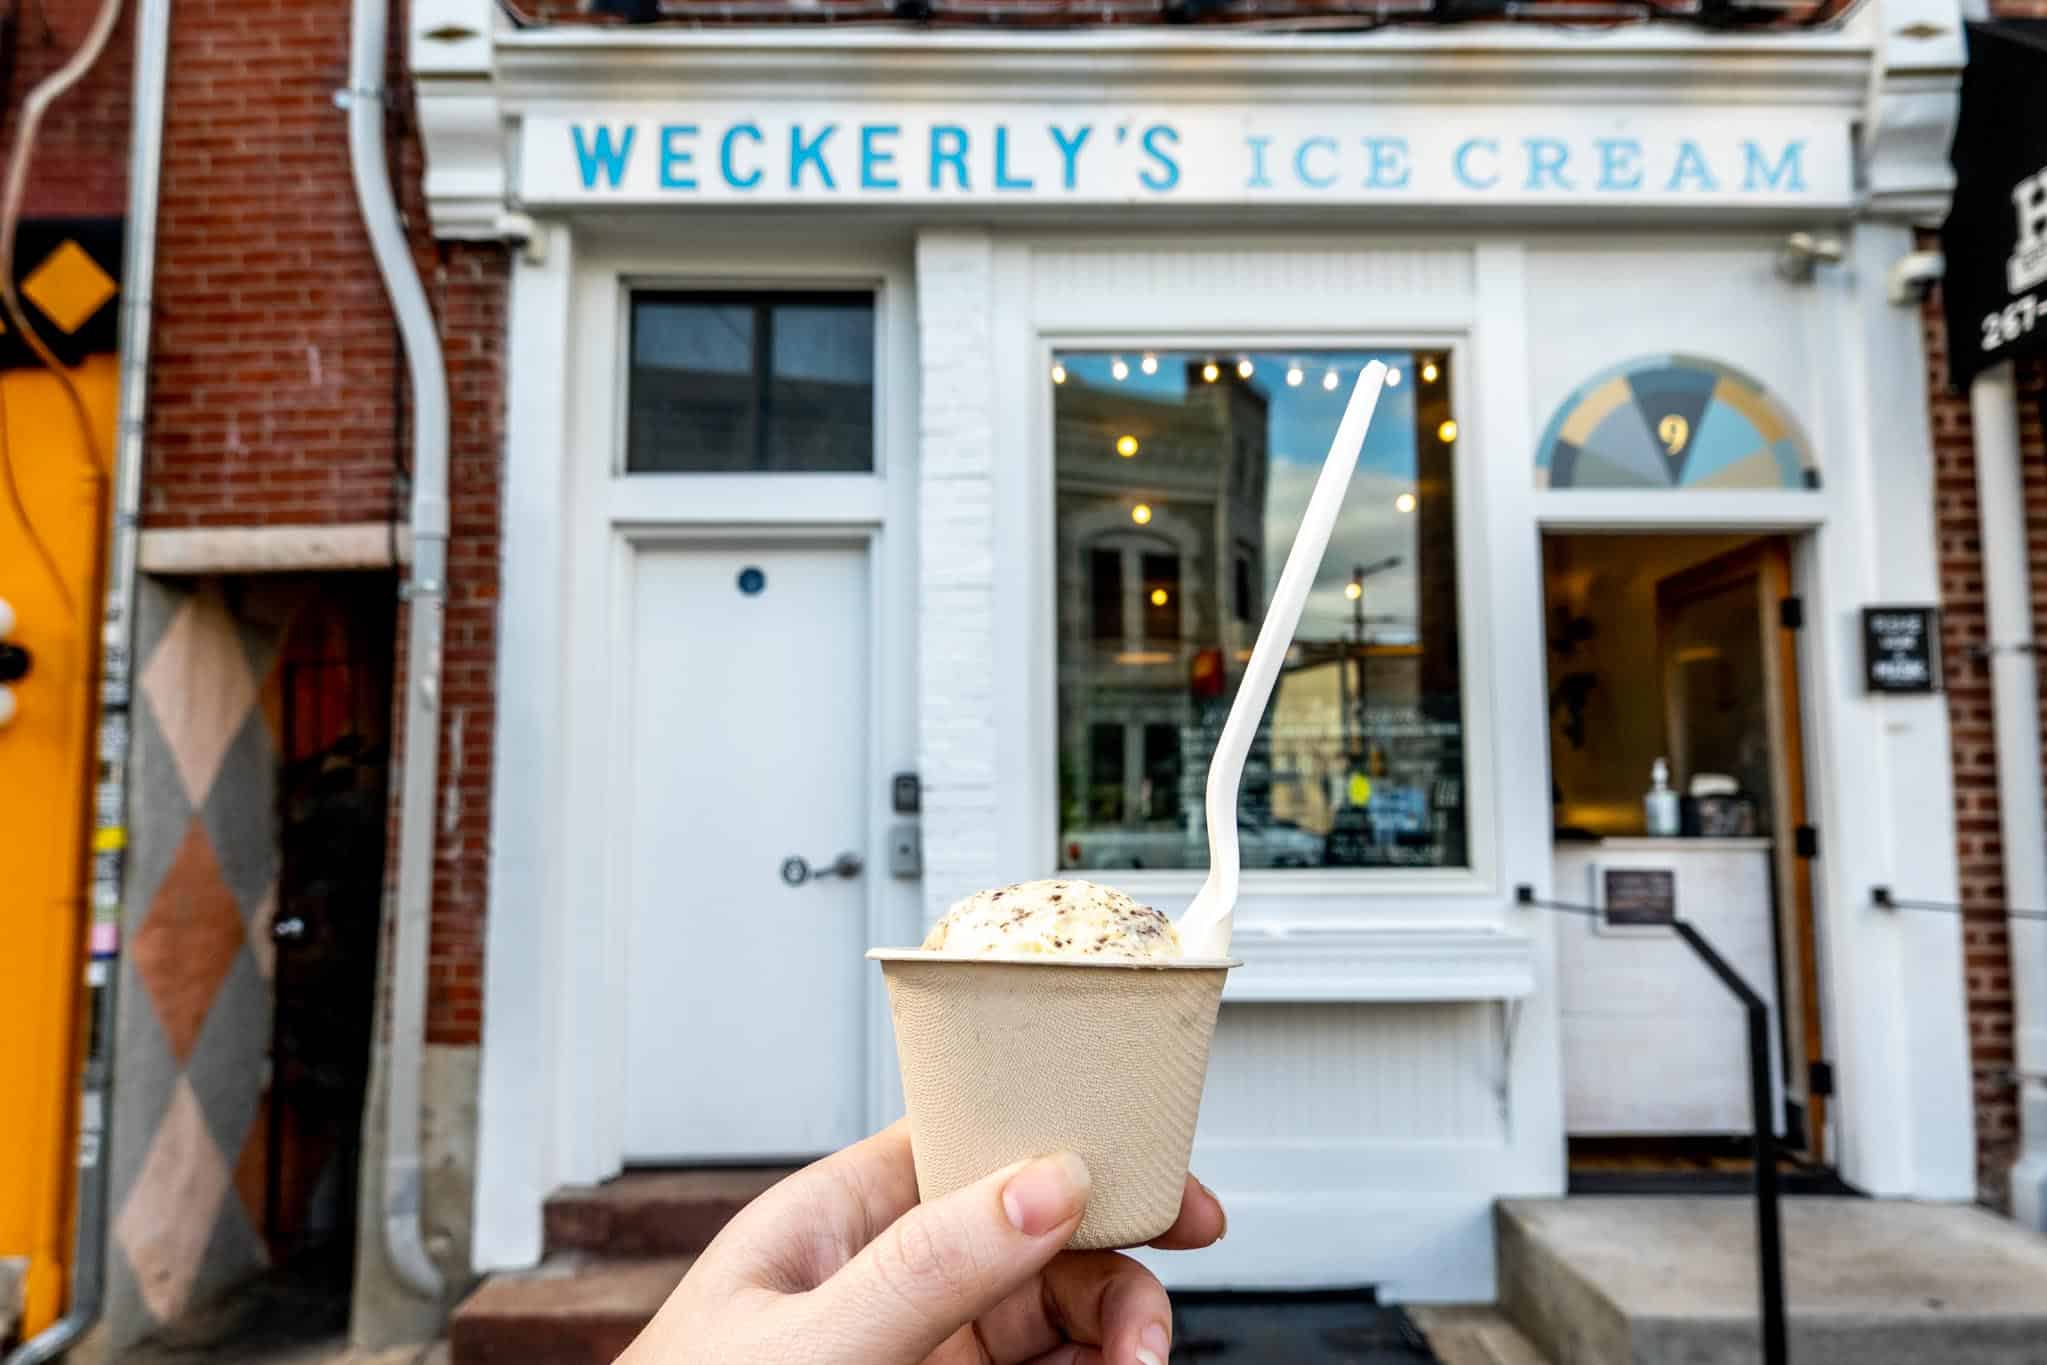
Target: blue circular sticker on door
column 751, row 580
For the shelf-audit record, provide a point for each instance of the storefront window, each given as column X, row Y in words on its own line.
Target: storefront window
column 1181, row 477
column 751, row 384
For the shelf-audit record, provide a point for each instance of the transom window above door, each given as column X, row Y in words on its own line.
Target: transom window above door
column 1180, row 479
column 751, row 383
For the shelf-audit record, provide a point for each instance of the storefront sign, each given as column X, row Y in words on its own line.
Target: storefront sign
column 1995, row 239
column 1185, row 154
column 1899, row 648
column 1637, row 896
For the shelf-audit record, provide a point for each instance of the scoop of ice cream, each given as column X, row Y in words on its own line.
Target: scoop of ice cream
column 1056, row 919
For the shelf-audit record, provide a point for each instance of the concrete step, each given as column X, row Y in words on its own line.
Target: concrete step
column 1474, row 1334
column 572, row 1310
column 652, row 1213
column 1653, row 1281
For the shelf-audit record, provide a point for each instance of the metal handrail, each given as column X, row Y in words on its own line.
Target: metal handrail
column 1769, row 1226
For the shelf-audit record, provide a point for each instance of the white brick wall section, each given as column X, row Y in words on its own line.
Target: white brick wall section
column 956, row 587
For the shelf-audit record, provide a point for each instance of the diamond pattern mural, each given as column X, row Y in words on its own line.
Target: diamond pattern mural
column 195, row 1018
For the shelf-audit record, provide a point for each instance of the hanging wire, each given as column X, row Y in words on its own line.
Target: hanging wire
column 19, row 507
column 1881, row 897
column 39, row 100
column 44, row 94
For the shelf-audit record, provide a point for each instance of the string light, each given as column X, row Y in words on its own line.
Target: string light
column 1244, row 368
column 1210, row 372
column 1447, row 432
column 1429, row 372
column 1158, row 597
column 1141, row 514
column 1393, row 379
column 1404, row 503
column 1058, row 373
column 1293, row 376
column 1119, row 370
column 1126, row 446
column 1150, row 363
column 1329, row 381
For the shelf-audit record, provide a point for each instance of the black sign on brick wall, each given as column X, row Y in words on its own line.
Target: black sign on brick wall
column 1994, row 242
column 1901, row 649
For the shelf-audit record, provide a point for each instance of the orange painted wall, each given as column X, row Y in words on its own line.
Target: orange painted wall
column 45, row 781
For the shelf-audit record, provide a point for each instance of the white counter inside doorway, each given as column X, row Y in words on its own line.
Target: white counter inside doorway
column 1653, row 1043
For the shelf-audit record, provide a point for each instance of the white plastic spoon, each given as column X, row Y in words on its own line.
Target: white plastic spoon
column 1204, row 927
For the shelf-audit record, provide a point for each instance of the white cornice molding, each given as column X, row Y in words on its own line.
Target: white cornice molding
column 1909, row 123
column 1498, row 65
column 476, row 76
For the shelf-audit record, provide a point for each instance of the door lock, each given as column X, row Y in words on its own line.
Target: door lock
column 796, row 871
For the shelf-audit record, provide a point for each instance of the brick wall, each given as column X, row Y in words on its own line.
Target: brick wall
column 278, row 386
column 473, row 283
column 1978, row 844
column 80, row 168
column 1979, row 847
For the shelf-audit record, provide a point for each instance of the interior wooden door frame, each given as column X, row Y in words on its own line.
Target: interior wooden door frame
column 1767, row 563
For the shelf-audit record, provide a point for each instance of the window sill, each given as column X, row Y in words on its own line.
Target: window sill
column 1352, row 964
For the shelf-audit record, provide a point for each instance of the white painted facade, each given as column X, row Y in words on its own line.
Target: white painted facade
column 1389, row 1058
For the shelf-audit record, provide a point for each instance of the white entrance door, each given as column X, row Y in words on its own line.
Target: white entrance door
column 748, row 739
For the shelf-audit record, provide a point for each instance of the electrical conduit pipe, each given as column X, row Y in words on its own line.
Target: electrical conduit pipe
column 138, row 275
column 403, row 1173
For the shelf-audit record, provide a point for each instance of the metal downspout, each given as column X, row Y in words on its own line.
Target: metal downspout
column 2015, row 709
column 403, row 1173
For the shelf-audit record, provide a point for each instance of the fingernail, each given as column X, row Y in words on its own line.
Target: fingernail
column 1220, row 1211
column 1046, row 1193
column 1152, row 1345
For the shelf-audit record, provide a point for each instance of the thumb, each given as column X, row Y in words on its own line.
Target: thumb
column 944, row 1264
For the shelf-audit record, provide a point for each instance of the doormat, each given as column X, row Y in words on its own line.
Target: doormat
column 1339, row 1328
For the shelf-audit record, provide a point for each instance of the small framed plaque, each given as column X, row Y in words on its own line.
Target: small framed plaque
column 1901, row 649
column 1639, row 897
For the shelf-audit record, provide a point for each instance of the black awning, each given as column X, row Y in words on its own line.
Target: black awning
column 1995, row 239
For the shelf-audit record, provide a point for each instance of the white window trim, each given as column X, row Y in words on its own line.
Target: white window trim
column 1293, row 895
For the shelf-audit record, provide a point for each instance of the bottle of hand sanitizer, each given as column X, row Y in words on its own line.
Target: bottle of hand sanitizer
column 1659, row 806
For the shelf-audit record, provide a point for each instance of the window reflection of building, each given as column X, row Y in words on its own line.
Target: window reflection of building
column 1139, row 600
column 1162, row 503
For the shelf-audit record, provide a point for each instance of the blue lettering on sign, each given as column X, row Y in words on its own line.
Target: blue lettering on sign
column 1790, row 169
column 1386, row 158
column 809, row 153
column 1691, row 165
column 1620, row 163
column 1166, row 173
column 1301, row 171
column 1460, row 164
column 1546, row 157
column 948, row 148
column 676, row 159
column 1003, row 179
column 1069, row 151
column 874, row 158
column 603, row 154
column 730, row 169
column 1259, row 179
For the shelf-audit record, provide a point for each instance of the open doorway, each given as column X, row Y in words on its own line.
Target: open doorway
column 1677, row 655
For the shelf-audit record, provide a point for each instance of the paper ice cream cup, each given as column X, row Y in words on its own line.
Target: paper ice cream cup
column 1004, row 1059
